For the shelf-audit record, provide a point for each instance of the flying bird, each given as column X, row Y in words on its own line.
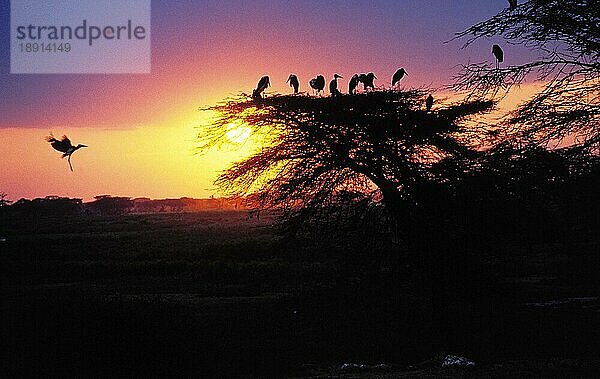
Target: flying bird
column 353, row 83
column 429, row 103
column 333, row 89
column 64, row 146
column 399, row 74
column 318, row 83
column 367, row 80
column 499, row 54
column 513, row 4
column 262, row 85
column 293, row 80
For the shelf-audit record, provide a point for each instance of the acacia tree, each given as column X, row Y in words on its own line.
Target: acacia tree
column 566, row 35
column 381, row 144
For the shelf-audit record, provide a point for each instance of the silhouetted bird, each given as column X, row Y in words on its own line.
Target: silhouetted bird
column 293, row 80
column 64, row 146
column 399, row 74
column 333, row 90
column 318, row 83
column 499, row 54
column 353, row 83
column 367, row 81
column 429, row 103
column 262, row 85
column 513, row 4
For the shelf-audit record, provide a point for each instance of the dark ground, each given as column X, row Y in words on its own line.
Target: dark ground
column 216, row 294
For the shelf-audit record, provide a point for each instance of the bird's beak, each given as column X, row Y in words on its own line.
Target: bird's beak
column 83, row 146
column 374, row 76
column 405, row 73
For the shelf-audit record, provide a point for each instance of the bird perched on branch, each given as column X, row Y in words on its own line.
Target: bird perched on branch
column 353, row 83
column 499, row 54
column 362, row 77
column 333, row 88
column 318, row 83
column 262, row 85
column 367, row 80
column 293, row 80
column 429, row 103
column 64, row 146
column 513, row 4
column 399, row 74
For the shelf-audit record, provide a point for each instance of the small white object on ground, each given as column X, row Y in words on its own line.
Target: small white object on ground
column 361, row 366
column 455, row 361
column 352, row 366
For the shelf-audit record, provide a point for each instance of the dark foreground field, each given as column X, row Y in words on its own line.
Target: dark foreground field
column 216, row 294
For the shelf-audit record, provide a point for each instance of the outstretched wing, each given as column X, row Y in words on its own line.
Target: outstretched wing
column 62, row 145
column 64, row 139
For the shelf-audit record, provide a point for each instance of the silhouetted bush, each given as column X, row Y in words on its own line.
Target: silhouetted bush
column 47, row 206
column 108, row 205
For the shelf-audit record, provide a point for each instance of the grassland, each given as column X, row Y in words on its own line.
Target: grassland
column 219, row 294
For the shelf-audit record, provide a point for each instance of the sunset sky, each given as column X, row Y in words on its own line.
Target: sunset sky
column 141, row 128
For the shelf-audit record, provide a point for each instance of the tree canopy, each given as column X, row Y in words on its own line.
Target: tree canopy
column 566, row 36
column 380, row 143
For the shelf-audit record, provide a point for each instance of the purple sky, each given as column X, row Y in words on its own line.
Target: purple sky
column 205, row 50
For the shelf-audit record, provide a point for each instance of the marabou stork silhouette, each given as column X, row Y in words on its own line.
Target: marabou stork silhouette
column 367, row 80
column 293, row 80
column 262, row 85
column 499, row 54
column 353, row 83
column 513, row 4
column 318, row 83
column 333, row 88
column 64, row 146
column 429, row 103
column 399, row 74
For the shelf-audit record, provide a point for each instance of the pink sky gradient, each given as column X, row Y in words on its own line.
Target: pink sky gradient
column 141, row 128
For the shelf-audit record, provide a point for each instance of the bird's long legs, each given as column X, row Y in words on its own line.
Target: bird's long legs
column 71, row 166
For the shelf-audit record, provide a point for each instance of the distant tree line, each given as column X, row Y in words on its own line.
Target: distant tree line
column 112, row 205
column 47, row 205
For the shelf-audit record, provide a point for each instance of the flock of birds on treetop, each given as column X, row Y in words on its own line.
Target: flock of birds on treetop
column 367, row 80
column 65, row 146
column 318, row 83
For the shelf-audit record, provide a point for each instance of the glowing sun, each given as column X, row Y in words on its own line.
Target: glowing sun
column 237, row 133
